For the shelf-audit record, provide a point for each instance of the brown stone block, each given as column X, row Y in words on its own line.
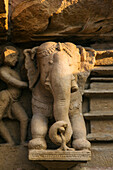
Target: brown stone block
column 100, row 137
column 101, row 126
column 101, row 85
column 37, row 20
column 104, row 58
column 16, row 158
column 3, row 19
column 102, row 71
column 2, row 6
column 101, row 103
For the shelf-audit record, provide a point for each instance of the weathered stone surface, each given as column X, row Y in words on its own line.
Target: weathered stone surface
column 102, row 126
column 16, row 157
column 2, row 6
column 102, row 71
column 3, row 19
column 32, row 17
column 98, row 115
column 104, row 58
column 59, row 160
column 55, row 155
column 102, row 85
column 14, row 3
column 33, row 20
column 101, row 104
column 102, row 158
column 100, row 137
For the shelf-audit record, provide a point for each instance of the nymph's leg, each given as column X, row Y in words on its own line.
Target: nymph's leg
column 5, row 133
column 4, row 105
column 20, row 114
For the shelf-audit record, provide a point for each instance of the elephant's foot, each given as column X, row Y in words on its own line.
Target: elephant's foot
column 80, row 144
column 37, row 143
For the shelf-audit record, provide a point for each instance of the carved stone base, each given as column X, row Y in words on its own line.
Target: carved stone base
column 52, row 159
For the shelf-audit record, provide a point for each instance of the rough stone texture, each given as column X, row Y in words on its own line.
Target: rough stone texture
column 90, row 19
column 104, row 58
column 3, row 20
column 105, row 104
column 102, row 158
column 102, row 85
column 14, row 3
column 102, row 126
column 16, row 158
column 2, row 6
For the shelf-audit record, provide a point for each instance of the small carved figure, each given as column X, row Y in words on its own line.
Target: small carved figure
column 53, row 80
column 10, row 106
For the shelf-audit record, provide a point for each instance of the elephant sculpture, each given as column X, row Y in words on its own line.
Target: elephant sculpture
column 52, row 70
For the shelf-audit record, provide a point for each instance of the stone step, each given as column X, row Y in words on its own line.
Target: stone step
column 90, row 92
column 98, row 115
column 101, row 79
column 100, row 137
column 102, row 71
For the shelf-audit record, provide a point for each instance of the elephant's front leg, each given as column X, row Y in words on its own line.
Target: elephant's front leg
column 39, row 127
column 42, row 109
column 79, row 133
column 78, row 124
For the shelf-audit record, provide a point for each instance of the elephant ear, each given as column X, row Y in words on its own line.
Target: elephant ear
column 30, row 65
column 88, row 56
column 87, row 63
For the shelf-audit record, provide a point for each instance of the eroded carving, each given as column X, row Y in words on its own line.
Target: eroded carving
column 10, row 106
column 54, row 83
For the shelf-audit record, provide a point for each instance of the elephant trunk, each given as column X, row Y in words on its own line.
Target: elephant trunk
column 60, row 79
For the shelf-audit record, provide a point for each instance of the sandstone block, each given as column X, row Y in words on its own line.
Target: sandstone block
column 101, row 85
column 101, row 104
column 102, row 126
column 3, row 19
column 36, row 20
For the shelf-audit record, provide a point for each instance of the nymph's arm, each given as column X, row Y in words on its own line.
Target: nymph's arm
column 9, row 79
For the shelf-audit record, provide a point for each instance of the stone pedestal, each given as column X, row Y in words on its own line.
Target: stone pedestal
column 53, row 159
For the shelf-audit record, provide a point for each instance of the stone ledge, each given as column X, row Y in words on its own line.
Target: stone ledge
column 100, row 137
column 54, row 155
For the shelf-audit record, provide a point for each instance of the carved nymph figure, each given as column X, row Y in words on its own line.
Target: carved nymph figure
column 10, row 106
column 53, row 80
